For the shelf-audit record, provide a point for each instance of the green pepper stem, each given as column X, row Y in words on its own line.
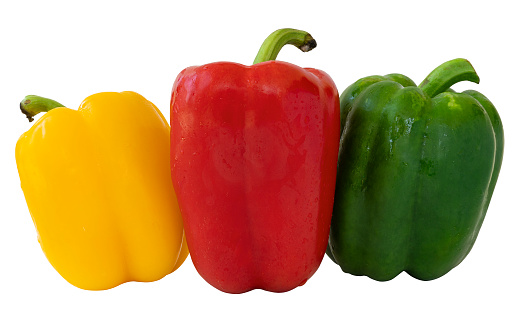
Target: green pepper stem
column 446, row 75
column 274, row 43
column 31, row 105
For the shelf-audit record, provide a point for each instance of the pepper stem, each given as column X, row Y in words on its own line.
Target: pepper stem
column 447, row 74
column 31, row 105
column 274, row 43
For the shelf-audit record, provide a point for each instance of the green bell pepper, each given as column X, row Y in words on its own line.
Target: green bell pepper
column 416, row 170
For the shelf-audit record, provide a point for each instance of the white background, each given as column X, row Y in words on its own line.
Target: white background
column 68, row 50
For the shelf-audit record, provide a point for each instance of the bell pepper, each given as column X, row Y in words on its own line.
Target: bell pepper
column 416, row 170
column 98, row 186
column 253, row 162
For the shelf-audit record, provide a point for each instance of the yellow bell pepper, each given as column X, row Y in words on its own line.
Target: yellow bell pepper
column 98, row 186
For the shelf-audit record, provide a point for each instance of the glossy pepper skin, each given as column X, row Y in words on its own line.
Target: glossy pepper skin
column 98, row 187
column 416, row 170
column 253, row 160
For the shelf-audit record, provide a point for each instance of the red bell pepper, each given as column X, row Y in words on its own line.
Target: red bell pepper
column 253, row 160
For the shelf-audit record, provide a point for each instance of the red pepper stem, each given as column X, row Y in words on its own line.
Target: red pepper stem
column 274, row 43
column 446, row 75
column 31, row 105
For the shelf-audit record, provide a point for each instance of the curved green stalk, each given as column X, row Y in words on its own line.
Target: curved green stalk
column 274, row 43
column 447, row 74
column 31, row 105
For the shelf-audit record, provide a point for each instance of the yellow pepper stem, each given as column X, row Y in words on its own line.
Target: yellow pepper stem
column 31, row 105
